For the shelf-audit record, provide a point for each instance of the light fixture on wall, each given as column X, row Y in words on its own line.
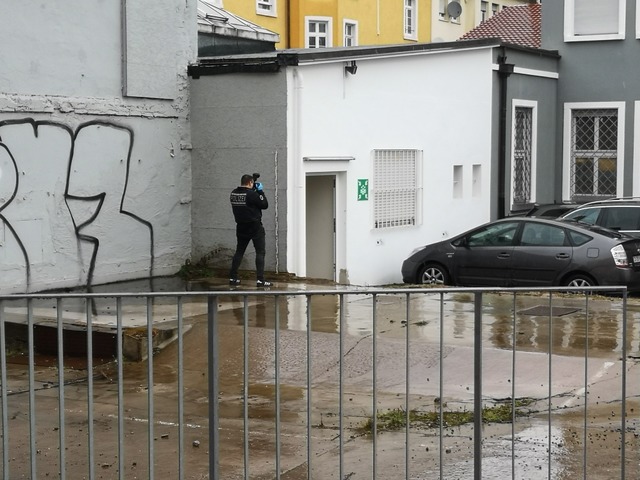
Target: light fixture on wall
column 352, row 68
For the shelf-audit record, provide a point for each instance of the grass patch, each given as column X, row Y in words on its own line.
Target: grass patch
column 396, row 419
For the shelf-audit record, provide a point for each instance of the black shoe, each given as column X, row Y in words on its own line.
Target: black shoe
column 234, row 281
column 263, row 283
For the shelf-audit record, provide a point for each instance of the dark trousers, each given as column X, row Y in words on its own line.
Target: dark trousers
column 246, row 233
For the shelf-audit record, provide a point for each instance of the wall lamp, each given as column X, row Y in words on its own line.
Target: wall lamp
column 352, row 68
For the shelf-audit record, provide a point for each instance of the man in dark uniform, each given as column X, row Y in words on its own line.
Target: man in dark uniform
column 247, row 202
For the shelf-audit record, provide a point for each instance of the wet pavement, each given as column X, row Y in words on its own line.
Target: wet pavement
column 397, row 325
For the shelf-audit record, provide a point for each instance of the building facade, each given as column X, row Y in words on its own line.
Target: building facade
column 95, row 162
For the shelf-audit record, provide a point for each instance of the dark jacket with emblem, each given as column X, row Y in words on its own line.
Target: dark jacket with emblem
column 247, row 205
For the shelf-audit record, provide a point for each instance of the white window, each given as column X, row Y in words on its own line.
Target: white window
column 442, row 10
column 593, row 158
column 266, row 7
column 350, row 33
column 318, row 32
column 410, row 20
column 495, row 8
column 397, row 188
column 523, row 152
column 586, row 20
column 483, row 10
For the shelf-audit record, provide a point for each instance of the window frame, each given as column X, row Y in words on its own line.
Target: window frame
column 377, row 214
column 483, row 13
column 348, row 22
column 273, row 12
column 569, row 25
column 533, row 105
column 413, row 8
column 315, row 19
column 567, row 133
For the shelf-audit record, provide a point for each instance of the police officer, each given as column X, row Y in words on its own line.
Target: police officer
column 247, row 202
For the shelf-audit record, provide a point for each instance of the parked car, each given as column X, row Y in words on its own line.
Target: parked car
column 546, row 210
column 621, row 214
column 529, row 251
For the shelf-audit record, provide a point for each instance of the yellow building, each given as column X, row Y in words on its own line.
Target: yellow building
column 337, row 23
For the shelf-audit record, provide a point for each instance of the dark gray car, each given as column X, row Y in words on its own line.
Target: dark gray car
column 621, row 214
column 532, row 252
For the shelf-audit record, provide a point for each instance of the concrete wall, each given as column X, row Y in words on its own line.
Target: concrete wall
column 94, row 186
column 239, row 125
column 439, row 103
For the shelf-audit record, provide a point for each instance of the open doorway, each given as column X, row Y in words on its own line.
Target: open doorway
column 321, row 226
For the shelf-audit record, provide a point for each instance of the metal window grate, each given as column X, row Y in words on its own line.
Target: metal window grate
column 594, row 153
column 522, row 155
column 395, row 188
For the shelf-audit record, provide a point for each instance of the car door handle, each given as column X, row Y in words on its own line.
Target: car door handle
column 562, row 256
column 504, row 255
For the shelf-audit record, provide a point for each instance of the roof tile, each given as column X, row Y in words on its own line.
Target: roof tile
column 519, row 25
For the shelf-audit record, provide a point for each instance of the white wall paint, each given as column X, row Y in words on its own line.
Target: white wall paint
column 80, row 163
column 425, row 102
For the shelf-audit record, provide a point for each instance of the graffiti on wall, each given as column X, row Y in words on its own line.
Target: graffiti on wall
column 64, row 210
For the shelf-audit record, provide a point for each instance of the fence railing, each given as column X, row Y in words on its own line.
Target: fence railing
column 365, row 383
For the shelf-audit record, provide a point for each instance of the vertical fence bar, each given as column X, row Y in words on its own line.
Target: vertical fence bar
column 180, row 392
column 407, row 389
column 277, row 380
column 550, row 392
column 32, row 389
column 120, row 361
column 4, row 388
column 90, row 427
column 309, row 403
column 341, row 387
column 586, row 389
column 374, row 420
column 513, row 389
column 623, row 420
column 245, row 386
column 441, row 389
column 150, row 449
column 213, row 368
column 477, row 387
column 309, row 466
column 61, row 431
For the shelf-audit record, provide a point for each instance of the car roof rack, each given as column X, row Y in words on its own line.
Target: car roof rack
column 609, row 200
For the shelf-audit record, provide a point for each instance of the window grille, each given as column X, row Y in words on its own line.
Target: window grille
column 397, row 188
column 594, row 152
column 522, row 155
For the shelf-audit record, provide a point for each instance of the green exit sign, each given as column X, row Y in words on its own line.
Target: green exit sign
column 363, row 189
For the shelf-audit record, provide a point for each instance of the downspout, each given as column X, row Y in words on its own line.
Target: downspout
column 504, row 71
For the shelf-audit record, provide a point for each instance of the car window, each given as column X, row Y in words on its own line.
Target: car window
column 578, row 238
column 541, row 235
column 585, row 215
column 622, row 218
column 496, row 235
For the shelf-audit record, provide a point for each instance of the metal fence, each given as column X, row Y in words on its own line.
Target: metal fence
column 342, row 383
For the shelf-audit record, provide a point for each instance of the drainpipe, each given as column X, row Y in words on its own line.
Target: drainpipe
column 504, row 71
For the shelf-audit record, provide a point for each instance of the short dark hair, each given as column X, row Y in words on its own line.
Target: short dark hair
column 246, row 178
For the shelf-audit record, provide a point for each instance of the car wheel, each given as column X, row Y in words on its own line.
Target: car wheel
column 433, row 274
column 580, row 280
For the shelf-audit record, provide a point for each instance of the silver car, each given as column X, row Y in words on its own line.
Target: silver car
column 528, row 251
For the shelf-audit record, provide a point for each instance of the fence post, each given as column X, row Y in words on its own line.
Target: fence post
column 477, row 387
column 212, row 362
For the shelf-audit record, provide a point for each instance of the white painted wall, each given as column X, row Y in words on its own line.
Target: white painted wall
column 79, row 162
column 425, row 101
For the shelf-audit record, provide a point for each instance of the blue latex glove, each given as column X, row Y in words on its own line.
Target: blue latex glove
column 258, row 186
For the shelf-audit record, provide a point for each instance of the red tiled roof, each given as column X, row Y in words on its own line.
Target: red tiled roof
column 519, row 25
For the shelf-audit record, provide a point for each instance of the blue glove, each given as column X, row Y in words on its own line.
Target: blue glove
column 258, row 186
